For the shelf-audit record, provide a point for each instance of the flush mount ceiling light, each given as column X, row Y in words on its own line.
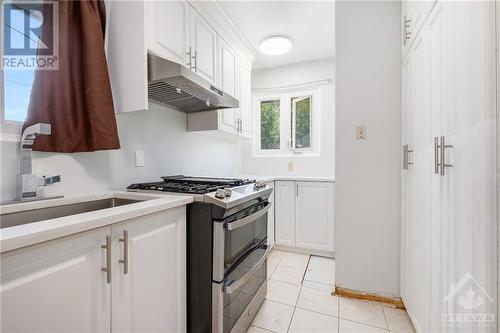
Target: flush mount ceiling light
column 275, row 45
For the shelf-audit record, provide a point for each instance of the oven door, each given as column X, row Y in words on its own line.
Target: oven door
column 244, row 289
column 238, row 235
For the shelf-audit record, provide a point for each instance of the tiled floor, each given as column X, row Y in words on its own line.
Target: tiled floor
column 299, row 300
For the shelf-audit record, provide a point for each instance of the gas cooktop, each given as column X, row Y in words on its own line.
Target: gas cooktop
column 192, row 185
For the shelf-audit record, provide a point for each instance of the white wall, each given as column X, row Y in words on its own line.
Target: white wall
column 367, row 188
column 291, row 75
column 161, row 133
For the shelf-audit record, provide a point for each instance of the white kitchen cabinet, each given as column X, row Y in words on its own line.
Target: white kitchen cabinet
column 284, row 199
column 448, row 217
column 245, row 96
column 168, row 30
column 229, row 83
column 304, row 216
column 126, row 44
column 203, row 47
column 314, row 216
column 270, row 216
column 57, row 286
column 151, row 296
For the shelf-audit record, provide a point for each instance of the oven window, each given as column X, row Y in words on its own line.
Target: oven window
column 236, row 302
column 240, row 241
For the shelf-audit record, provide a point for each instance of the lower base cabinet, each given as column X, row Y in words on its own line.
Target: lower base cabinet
column 60, row 286
column 304, row 215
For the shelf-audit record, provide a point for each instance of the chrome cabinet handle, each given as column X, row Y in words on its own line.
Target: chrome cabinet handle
column 107, row 269
column 248, row 219
column 240, row 121
column 443, row 163
column 195, row 57
column 232, row 286
column 406, row 159
column 406, row 32
column 189, row 57
column 124, row 261
column 436, row 155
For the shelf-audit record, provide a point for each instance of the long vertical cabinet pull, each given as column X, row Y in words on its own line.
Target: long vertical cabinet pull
column 124, row 261
column 189, row 57
column 195, row 57
column 436, row 155
column 406, row 158
column 443, row 163
column 107, row 269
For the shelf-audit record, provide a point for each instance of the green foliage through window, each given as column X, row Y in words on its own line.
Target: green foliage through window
column 270, row 124
column 302, row 108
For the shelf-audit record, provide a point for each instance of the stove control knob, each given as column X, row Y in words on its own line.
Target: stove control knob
column 220, row 194
column 228, row 192
column 259, row 185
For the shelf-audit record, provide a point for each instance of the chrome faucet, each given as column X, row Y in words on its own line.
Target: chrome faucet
column 29, row 182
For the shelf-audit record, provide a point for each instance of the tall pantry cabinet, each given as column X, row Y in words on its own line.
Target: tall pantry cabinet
column 448, row 230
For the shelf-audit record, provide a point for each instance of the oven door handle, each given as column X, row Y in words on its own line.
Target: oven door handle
column 234, row 285
column 249, row 219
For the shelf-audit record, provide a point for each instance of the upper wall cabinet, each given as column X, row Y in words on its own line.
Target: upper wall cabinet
column 203, row 47
column 168, row 30
column 413, row 15
column 229, row 83
column 189, row 34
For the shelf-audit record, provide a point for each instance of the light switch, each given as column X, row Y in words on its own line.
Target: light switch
column 360, row 132
column 290, row 166
column 139, row 158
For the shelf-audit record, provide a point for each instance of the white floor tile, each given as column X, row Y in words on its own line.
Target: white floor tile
column 321, row 269
column 362, row 312
column 282, row 292
column 318, row 301
column 275, row 256
column 346, row 326
column 398, row 320
column 271, row 266
column 304, row 321
column 295, row 260
column 288, row 274
column 319, row 286
column 273, row 316
column 254, row 329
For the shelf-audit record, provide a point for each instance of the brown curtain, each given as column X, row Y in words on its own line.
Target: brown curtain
column 76, row 99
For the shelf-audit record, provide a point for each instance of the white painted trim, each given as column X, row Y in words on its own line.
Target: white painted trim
column 306, row 85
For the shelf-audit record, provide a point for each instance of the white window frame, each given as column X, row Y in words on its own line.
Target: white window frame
column 285, row 97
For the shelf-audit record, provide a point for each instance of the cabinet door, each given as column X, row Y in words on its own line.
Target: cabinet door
column 204, row 47
column 126, row 55
column 246, row 99
column 151, row 297
column 270, row 216
column 314, row 216
column 285, row 213
column 57, row 286
column 229, row 84
column 169, row 30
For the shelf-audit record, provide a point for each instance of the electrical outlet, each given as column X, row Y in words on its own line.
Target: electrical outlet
column 290, row 166
column 361, row 133
column 139, row 158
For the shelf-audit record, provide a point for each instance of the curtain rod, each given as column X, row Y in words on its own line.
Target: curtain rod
column 299, row 85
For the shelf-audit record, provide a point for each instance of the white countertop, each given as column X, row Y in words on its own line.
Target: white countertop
column 32, row 233
column 268, row 178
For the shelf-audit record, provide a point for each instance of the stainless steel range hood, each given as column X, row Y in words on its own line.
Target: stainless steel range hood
column 173, row 85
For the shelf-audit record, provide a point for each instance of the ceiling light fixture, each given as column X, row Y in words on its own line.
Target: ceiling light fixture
column 275, row 45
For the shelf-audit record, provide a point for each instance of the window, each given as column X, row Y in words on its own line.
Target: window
column 270, row 124
column 17, row 82
column 288, row 123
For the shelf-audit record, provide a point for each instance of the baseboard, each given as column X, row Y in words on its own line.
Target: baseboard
column 349, row 293
column 294, row 249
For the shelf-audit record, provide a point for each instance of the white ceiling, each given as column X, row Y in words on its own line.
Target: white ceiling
column 310, row 25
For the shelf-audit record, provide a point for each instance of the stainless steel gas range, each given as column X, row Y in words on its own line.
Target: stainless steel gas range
column 227, row 249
